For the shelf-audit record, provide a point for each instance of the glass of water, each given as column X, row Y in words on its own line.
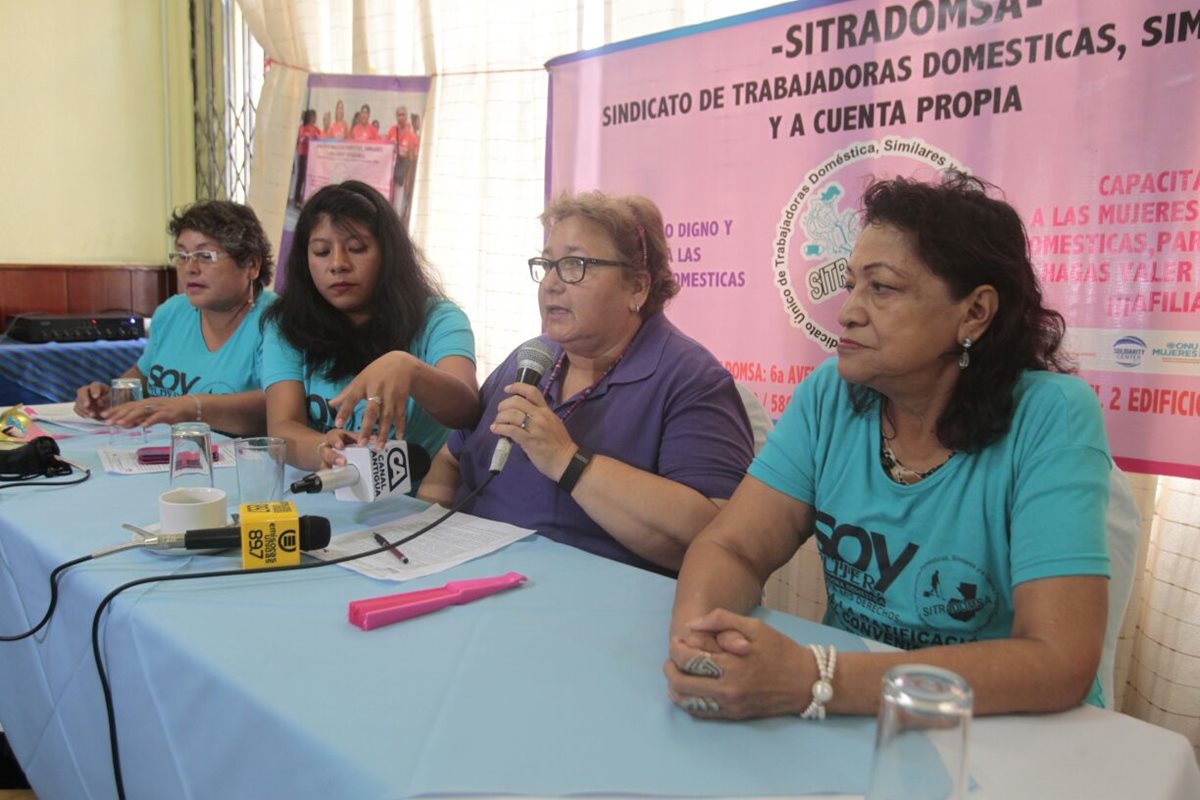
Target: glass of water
column 921, row 738
column 260, row 468
column 121, row 391
column 191, row 454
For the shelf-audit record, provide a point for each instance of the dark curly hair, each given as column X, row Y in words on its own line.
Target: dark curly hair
column 635, row 226
column 969, row 239
column 235, row 227
column 400, row 304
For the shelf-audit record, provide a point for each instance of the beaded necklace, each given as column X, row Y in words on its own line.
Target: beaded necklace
column 586, row 393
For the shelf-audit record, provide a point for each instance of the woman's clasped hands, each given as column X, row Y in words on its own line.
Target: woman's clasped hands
column 728, row 666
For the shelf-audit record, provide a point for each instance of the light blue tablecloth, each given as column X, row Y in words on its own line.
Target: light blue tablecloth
column 258, row 687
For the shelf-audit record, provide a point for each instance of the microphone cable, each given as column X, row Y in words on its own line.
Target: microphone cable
column 16, row 637
column 98, row 657
column 61, row 568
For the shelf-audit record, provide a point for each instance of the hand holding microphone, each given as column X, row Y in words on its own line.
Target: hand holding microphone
column 525, row 418
column 533, row 359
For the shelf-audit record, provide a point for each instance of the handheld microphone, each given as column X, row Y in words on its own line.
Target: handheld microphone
column 268, row 534
column 533, row 359
column 370, row 475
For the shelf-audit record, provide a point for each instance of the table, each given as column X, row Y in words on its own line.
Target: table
column 258, row 687
column 53, row 371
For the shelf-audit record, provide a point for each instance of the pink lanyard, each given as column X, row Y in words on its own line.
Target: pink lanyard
column 586, row 393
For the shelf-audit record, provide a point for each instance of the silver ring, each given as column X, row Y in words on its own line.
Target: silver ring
column 525, row 423
column 706, row 705
column 375, row 399
column 704, row 666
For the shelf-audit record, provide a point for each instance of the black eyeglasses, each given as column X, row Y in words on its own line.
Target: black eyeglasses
column 570, row 269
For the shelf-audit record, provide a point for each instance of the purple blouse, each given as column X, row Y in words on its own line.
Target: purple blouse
column 668, row 407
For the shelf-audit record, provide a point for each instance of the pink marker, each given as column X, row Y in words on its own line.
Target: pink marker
column 379, row 611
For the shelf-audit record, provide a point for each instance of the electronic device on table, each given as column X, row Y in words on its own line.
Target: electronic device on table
column 36, row 328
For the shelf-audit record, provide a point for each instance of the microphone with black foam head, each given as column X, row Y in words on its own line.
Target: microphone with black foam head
column 313, row 534
column 368, row 474
column 533, row 359
column 268, row 534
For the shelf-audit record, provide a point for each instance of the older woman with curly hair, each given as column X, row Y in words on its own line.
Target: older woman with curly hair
column 204, row 358
column 955, row 478
column 636, row 435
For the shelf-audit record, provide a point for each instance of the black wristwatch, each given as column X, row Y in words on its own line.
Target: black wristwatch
column 579, row 462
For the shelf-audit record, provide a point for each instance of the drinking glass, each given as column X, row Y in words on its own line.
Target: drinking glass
column 121, row 391
column 260, row 468
column 921, row 738
column 191, row 454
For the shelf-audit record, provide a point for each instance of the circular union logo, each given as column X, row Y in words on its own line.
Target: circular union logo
column 819, row 225
column 953, row 594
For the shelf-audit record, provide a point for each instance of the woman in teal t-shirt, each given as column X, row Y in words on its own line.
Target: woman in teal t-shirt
column 362, row 346
column 955, row 479
column 203, row 360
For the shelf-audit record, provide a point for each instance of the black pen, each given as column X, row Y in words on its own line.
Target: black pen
column 395, row 550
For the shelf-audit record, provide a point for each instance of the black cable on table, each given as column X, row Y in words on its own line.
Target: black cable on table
column 106, row 688
column 53, row 600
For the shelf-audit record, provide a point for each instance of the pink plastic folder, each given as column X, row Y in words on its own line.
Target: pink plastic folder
column 379, row 611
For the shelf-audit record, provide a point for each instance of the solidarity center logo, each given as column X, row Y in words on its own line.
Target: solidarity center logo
column 1128, row 350
column 819, row 225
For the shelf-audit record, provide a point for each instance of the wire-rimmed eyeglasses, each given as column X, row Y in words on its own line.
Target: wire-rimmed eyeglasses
column 202, row 257
column 570, row 269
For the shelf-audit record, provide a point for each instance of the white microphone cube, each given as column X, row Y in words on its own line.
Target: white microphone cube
column 382, row 473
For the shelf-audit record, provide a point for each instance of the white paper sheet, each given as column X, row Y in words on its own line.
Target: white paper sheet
column 63, row 415
column 459, row 539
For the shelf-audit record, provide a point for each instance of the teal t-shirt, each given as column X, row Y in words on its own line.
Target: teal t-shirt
column 177, row 361
column 447, row 332
column 935, row 562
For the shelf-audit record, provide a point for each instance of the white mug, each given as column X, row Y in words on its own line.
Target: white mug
column 191, row 508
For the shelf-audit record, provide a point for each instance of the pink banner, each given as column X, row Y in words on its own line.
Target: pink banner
column 333, row 162
column 757, row 134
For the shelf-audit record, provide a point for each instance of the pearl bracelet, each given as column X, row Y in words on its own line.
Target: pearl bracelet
column 196, row 400
column 822, row 688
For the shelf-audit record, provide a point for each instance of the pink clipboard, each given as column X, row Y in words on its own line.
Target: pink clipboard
column 379, row 611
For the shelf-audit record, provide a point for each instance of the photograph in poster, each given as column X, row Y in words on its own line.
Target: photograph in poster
column 360, row 127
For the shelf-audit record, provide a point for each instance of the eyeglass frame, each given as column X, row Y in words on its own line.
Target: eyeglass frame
column 584, row 263
column 181, row 258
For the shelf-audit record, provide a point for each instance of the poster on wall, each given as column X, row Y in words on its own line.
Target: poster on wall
column 356, row 127
column 756, row 136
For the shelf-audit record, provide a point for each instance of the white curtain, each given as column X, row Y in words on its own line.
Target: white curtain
column 299, row 36
column 480, row 182
column 1162, row 658
column 480, row 189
